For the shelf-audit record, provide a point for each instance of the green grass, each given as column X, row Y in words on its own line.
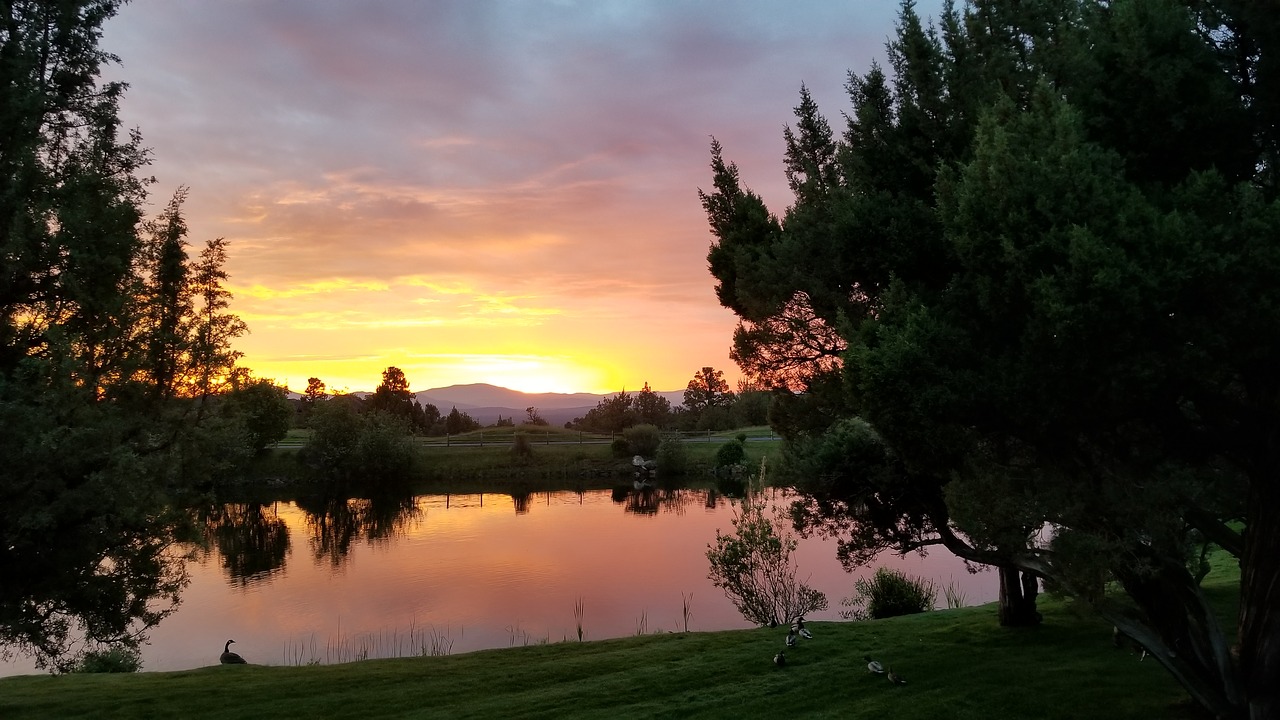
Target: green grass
column 959, row 664
column 481, row 461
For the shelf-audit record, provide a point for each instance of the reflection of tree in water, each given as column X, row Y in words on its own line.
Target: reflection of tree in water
column 645, row 499
column 336, row 522
column 521, row 502
column 251, row 538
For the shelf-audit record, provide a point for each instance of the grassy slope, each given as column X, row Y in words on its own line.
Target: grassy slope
column 958, row 663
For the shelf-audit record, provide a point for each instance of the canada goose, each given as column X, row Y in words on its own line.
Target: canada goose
column 895, row 678
column 229, row 658
column 873, row 666
column 791, row 639
column 780, row 659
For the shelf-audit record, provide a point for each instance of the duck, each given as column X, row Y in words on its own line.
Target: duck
column 797, row 627
column 873, row 666
column 229, row 658
column 791, row 639
column 780, row 659
column 895, row 678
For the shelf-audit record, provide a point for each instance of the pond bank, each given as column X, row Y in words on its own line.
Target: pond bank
column 958, row 665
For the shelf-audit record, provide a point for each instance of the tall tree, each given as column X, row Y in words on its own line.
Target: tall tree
column 651, row 408
column 1029, row 300
column 707, row 389
column 103, row 323
column 392, row 394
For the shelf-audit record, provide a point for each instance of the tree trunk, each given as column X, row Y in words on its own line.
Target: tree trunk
column 1178, row 628
column 1260, row 601
column 1018, row 592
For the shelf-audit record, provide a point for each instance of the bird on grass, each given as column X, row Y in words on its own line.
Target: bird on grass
column 791, row 639
column 895, row 678
column 873, row 666
column 797, row 627
column 229, row 658
column 780, row 659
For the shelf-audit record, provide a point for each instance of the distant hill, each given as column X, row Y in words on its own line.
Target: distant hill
column 486, row 402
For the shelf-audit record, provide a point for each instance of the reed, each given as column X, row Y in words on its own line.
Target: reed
column 416, row 641
column 953, row 595
column 579, row 610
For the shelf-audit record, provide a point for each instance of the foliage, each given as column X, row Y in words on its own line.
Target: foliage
column 1048, row 304
column 114, row 344
column 889, row 593
column 642, row 440
column 261, row 408
column 651, row 408
column 316, row 392
column 672, row 457
column 620, row 448
column 113, row 660
column 731, row 453
column 392, row 394
column 755, row 565
column 533, row 417
column 345, row 443
column 460, row 422
column 521, row 448
column 384, row 451
column 707, row 389
column 611, row 415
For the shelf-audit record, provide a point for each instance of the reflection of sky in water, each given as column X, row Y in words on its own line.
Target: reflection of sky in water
column 477, row 573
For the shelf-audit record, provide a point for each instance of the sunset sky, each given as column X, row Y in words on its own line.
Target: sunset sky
column 499, row 192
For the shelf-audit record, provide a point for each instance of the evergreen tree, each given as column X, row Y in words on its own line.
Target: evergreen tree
column 110, row 340
column 1030, row 297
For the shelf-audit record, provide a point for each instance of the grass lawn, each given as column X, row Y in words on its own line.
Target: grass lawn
column 958, row 664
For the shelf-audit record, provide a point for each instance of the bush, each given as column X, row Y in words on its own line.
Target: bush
column 733, row 452
column 115, row 660
column 620, row 447
column 643, row 439
column 756, row 567
column 672, row 457
column 521, row 447
column 889, row 593
column 384, row 448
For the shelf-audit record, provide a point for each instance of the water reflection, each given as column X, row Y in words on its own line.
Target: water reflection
column 644, row 498
column 472, row 571
column 251, row 538
column 335, row 523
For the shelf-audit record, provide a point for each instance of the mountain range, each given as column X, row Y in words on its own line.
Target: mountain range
column 486, row 402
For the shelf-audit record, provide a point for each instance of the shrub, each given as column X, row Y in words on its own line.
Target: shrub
column 114, row 660
column 889, row 593
column 620, row 447
column 755, row 565
column 384, row 448
column 521, row 448
column 733, row 452
column 672, row 457
column 643, row 439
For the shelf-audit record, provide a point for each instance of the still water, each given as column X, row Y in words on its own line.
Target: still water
column 336, row 580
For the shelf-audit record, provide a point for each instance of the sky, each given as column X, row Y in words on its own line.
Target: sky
column 497, row 192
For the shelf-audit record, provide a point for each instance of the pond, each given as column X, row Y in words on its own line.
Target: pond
column 339, row 580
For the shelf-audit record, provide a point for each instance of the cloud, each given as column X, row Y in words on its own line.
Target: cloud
column 392, row 165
